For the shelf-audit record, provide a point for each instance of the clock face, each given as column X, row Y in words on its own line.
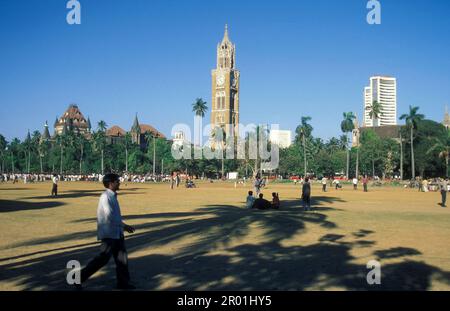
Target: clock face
column 220, row 80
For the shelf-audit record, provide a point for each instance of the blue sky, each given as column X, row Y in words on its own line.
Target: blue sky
column 154, row 57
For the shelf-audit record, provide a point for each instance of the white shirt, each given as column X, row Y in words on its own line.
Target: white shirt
column 109, row 218
column 55, row 180
column 355, row 181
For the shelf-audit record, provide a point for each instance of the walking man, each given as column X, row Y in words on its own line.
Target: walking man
column 110, row 228
column 257, row 185
column 54, row 185
column 306, row 195
column 444, row 189
column 355, row 183
column 364, row 181
column 324, row 184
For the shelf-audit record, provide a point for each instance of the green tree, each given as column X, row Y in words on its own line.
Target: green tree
column 412, row 119
column 100, row 142
column 149, row 136
column 347, row 126
column 304, row 131
column 443, row 149
column 199, row 107
column 375, row 112
column 3, row 146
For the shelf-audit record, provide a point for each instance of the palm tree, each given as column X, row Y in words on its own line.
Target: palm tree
column 401, row 156
column 14, row 146
column 150, row 136
column 304, row 131
column 375, row 112
column 347, row 126
column 3, row 146
column 100, row 141
column 101, row 126
column 27, row 144
column 412, row 120
column 199, row 107
column 126, row 144
column 61, row 140
column 79, row 142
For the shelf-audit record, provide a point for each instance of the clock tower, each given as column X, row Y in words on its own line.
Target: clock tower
column 225, row 88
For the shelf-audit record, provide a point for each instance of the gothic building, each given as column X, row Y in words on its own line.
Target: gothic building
column 225, row 88
column 116, row 134
column 73, row 120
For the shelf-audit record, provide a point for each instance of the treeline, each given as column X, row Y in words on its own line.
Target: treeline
column 70, row 153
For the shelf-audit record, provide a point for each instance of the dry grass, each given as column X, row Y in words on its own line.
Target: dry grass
column 203, row 239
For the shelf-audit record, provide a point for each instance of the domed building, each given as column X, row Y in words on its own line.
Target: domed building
column 73, row 120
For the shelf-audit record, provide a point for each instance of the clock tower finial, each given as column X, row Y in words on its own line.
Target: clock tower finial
column 225, row 37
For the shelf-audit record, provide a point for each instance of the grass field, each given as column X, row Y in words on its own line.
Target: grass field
column 204, row 239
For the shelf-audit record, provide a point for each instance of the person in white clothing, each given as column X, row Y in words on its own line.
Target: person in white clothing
column 110, row 228
column 54, row 185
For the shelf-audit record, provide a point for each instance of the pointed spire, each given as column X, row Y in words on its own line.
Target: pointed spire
column 225, row 36
column 136, row 127
column 46, row 134
column 28, row 135
column 56, row 122
column 89, row 124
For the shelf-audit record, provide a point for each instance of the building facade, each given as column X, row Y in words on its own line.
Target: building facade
column 115, row 134
column 382, row 89
column 225, row 88
column 73, row 120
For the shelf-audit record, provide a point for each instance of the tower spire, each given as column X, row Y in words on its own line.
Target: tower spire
column 225, row 36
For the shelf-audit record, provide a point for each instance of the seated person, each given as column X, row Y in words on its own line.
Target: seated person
column 250, row 200
column 261, row 203
column 275, row 200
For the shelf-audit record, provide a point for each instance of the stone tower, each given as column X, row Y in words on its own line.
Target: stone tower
column 225, row 88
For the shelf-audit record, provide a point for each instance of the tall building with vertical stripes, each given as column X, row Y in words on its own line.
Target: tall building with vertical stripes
column 382, row 89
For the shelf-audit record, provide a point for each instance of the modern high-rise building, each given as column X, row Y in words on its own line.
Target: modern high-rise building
column 382, row 89
column 225, row 88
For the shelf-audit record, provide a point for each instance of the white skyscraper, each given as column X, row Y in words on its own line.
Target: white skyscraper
column 382, row 89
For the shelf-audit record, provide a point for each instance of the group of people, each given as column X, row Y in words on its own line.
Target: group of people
column 261, row 203
column 336, row 181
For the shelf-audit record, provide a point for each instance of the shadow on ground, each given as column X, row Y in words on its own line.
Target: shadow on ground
column 7, row 206
column 212, row 262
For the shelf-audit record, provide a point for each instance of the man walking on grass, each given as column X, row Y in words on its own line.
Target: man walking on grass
column 444, row 188
column 110, row 228
column 54, row 185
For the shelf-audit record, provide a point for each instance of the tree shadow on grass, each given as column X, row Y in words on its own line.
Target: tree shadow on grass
column 7, row 206
column 211, row 262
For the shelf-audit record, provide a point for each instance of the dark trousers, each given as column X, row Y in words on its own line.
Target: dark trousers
column 324, row 187
column 444, row 197
column 355, row 187
column 365, row 187
column 110, row 247
column 306, row 202
column 55, row 190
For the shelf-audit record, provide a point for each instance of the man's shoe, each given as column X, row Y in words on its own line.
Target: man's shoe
column 126, row 286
